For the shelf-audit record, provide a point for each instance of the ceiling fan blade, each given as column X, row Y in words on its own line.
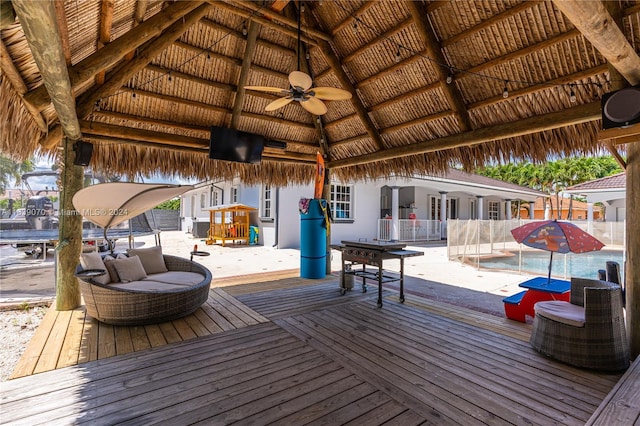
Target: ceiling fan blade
column 300, row 79
column 331, row 94
column 266, row 89
column 278, row 103
column 314, row 106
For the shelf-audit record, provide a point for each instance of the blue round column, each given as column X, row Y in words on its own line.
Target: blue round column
column 313, row 240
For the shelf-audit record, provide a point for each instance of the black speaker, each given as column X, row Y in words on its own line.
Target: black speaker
column 621, row 108
column 83, row 150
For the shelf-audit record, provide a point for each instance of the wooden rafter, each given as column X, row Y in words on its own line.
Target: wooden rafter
column 61, row 18
column 111, row 54
column 517, row 54
column 122, row 73
column 283, row 20
column 104, row 32
column 491, row 21
column 346, row 84
column 286, row 30
column 593, row 20
column 42, row 32
column 252, row 37
column 435, row 52
column 576, row 115
column 352, row 17
column 380, row 39
column 14, row 77
column 416, row 122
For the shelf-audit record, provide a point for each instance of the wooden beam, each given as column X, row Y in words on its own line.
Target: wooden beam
column 122, row 73
column 61, row 17
column 616, row 155
column 596, row 24
column 14, row 77
column 418, row 121
column 42, row 33
column 252, row 37
column 352, row 17
column 576, row 115
column 89, row 67
column 491, row 21
column 564, row 80
column 512, row 56
column 283, row 20
column 130, row 133
column 380, row 39
column 451, row 93
column 191, row 78
column 619, row 132
column 104, row 31
column 141, row 10
column 346, row 84
column 293, row 33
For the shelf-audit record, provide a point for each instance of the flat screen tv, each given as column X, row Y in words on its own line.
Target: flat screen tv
column 233, row 145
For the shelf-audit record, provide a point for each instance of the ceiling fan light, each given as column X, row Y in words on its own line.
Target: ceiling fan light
column 449, row 79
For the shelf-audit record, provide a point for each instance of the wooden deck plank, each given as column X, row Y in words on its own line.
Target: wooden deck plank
column 27, row 363
column 89, row 343
column 124, row 345
column 70, row 350
column 486, row 365
column 51, row 352
column 326, row 359
column 622, row 404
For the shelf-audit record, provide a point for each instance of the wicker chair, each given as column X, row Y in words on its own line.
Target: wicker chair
column 121, row 306
column 588, row 332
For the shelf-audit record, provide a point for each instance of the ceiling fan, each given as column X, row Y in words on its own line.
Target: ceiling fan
column 301, row 91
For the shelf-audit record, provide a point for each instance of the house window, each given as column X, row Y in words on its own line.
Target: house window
column 267, row 202
column 214, row 197
column 473, row 209
column 494, row 210
column 452, row 208
column 203, row 200
column 341, row 201
column 435, row 208
column 234, row 194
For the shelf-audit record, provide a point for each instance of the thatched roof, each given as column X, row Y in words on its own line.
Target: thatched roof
column 146, row 80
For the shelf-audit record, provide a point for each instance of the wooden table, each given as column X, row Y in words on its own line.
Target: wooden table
column 373, row 254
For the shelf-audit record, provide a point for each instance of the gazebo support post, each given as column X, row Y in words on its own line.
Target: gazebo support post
column 632, row 271
column 70, row 232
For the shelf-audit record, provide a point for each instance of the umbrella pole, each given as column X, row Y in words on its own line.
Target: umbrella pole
column 550, row 263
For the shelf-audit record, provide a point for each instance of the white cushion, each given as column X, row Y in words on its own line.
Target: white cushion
column 151, row 259
column 177, row 277
column 93, row 260
column 560, row 311
column 147, row 285
column 129, row 269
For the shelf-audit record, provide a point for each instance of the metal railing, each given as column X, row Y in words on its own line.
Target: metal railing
column 410, row 230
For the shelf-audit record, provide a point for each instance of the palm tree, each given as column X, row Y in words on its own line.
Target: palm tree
column 11, row 170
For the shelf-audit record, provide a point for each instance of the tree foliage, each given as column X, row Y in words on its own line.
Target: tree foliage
column 11, row 170
column 173, row 204
column 554, row 176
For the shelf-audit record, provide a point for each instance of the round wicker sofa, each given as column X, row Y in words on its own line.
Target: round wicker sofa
column 121, row 306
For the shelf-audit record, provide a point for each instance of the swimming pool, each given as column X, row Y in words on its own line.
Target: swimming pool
column 584, row 265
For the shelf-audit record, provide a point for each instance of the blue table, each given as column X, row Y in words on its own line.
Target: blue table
column 539, row 289
column 543, row 284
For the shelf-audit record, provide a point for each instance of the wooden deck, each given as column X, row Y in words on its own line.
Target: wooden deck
column 295, row 352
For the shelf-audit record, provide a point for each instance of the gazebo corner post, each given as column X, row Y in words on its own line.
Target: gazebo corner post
column 326, row 194
column 69, row 244
column 632, row 272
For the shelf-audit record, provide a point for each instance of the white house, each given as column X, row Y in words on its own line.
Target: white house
column 396, row 208
column 610, row 191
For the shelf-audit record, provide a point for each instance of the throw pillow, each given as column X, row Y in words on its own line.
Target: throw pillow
column 129, row 269
column 111, row 268
column 93, row 260
column 151, row 259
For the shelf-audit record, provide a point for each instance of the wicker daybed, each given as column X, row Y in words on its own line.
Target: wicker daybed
column 120, row 304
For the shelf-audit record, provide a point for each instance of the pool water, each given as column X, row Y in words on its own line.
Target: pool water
column 584, row 265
